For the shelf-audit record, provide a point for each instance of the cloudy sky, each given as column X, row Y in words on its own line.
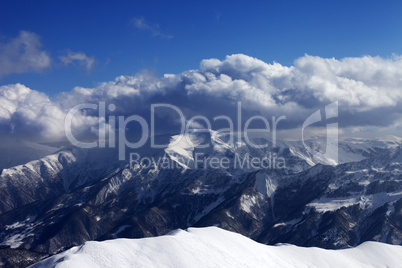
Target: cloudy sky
column 276, row 57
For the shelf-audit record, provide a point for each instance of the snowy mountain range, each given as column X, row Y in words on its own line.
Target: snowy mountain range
column 75, row 195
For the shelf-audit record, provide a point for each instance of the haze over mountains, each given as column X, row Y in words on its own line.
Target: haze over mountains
column 76, row 195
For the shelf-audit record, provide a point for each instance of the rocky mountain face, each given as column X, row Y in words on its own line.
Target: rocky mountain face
column 76, row 195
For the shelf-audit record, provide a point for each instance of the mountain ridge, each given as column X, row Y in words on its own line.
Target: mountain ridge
column 214, row 247
column 101, row 198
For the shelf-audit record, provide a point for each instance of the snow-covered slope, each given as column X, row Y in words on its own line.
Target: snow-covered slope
column 298, row 155
column 214, row 247
column 53, row 175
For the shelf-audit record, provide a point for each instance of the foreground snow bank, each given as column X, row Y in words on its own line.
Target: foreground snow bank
column 214, row 247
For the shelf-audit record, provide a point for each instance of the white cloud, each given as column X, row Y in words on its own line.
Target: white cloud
column 367, row 88
column 154, row 29
column 78, row 57
column 23, row 54
column 30, row 114
column 361, row 83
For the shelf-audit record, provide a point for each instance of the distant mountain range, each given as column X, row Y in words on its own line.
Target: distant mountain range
column 76, row 195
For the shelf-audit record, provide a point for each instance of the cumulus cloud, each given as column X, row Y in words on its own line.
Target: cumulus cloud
column 360, row 83
column 367, row 88
column 78, row 59
column 26, row 113
column 23, row 54
column 140, row 24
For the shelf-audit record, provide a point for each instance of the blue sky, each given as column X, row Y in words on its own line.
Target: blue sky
column 125, row 37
